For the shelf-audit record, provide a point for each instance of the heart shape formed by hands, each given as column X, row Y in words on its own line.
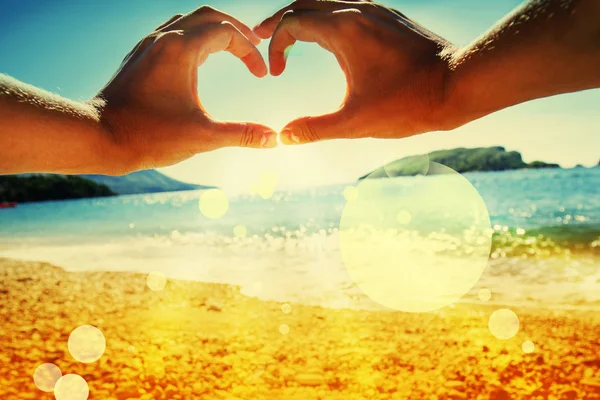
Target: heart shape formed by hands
column 393, row 68
column 393, row 71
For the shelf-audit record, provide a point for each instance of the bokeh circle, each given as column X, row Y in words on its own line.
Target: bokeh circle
column 418, row 243
column 240, row 231
column 284, row 329
column 503, row 324
column 156, row 281
column 286, row 308
column 86, row 344
column 485, row 294
column 213, row 203
column 71, row 387
column 528, row 346
column 46, row 376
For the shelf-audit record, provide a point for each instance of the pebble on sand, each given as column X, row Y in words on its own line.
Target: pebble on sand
column 309, row 379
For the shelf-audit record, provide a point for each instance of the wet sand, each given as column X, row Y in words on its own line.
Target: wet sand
column 207, row 341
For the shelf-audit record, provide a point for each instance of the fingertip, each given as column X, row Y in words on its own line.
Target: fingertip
column 289, row 137
column 256, row 64
column 259, row 69
column 276, row 67
column 255, row 40
column 261, row 72
column 269, row 140
column 261, row 32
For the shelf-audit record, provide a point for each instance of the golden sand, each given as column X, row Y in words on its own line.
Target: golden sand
column 207, row 341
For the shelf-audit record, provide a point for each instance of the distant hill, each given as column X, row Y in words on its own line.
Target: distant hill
column 150, row 181
column 40, row 187
column 461, row 160
column 22, row 189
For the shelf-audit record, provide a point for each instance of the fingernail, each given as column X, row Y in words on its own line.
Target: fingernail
column 289, row 135
column 268, row 140
column 264, row 140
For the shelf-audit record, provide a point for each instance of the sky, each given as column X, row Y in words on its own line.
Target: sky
column 73, row 47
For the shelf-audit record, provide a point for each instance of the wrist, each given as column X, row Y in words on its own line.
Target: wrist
column 117, row 158
column 447, row 109
column 459, row 104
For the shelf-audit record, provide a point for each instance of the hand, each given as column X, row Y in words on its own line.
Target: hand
column 151, row 107
column 395, row 70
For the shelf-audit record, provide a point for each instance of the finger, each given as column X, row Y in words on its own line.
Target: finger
column 266, row 28
column 209, row 15
column 171, row 63
column 169, row 22
column 226, row 37
column 148, row 40
column 192, row 47
column 306, row 26
column 239, row 134
column 312, row 129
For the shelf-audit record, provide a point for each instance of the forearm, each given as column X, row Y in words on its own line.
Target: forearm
column 42, row 132
column 544, row 48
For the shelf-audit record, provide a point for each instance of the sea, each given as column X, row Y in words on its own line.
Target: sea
column 521, row 238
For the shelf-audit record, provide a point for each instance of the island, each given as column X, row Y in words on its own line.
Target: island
column 23, row 189
column 43, row 187
column 461, row 160
column 148, row 181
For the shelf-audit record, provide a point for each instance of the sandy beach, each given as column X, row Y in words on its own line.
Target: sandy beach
column 207, row 341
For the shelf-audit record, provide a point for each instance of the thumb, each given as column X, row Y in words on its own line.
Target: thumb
column 242, row 134
column 336, row 125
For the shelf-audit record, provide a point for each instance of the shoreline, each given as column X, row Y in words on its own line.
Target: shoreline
column 528, row 296
column 201, row 340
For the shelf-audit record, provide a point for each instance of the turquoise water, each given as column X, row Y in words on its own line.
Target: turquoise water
column 545, row 251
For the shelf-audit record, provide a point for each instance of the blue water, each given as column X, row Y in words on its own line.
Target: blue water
column 546, row 238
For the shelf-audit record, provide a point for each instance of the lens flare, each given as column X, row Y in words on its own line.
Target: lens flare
column 267, row 182
column 350, row 193
column 416, row 243
column 284, row 329
column 213, row 203
column 240, row 231
column 46, row 376
column 286, row 308
column 504, row 324
column 287, row 51
column 71, row 387
column 265, row 192
column 528, row 346
column 87, row 344
column 410, row 166
column 156, row 281
column 485, row 294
